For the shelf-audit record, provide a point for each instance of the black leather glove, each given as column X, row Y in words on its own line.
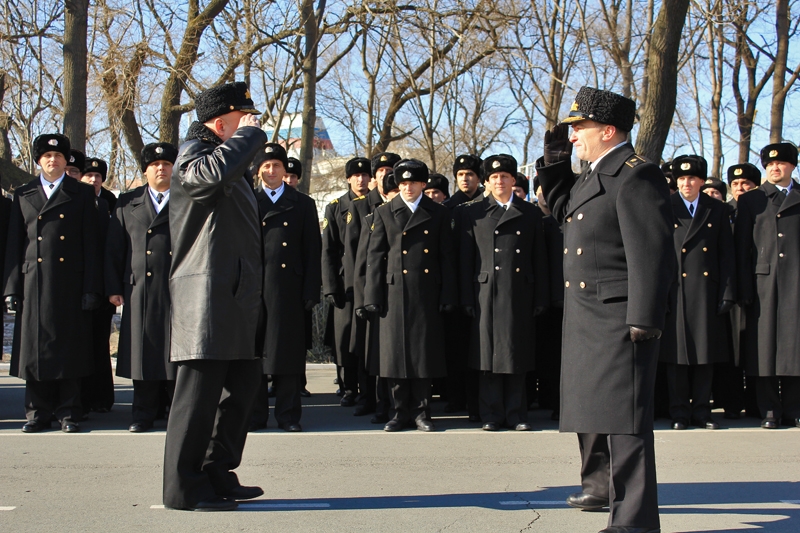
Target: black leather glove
column 308, row 305
column 538, row 310
column 644, row 334
column 469, row 311
column 447, row 308
column 337, row 300
column 12, row 302
column 373, row 309
column 557, row 147
column 725, row 306
column 362, row 313
column 91, row 301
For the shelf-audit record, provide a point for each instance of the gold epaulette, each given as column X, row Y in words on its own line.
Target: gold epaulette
column 635, row 161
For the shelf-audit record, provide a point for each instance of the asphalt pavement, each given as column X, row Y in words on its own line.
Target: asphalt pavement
column 343, row 474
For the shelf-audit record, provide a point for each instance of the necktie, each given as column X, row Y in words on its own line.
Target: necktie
column 159, row 197
column 691, row 209
column 505, row 207
column 273, row 193
column 782, row 193
column 52, row 185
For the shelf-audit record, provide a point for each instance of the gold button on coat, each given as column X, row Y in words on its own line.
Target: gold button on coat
column 425, row 250
column 263, row 223
column 583, row 285
column 405, row 252
column 497, row 249
column 684, row 274
column 283, row 265
column 780, row 254
column 580, row 216
column 405, row 271
column 149, row 274
column 683, row 250
column 705, row 249
column 61, row 259
column 579, row 251
column 40, row 238
column 62, row 237
column 60, row 216
column 425, row 232
column 780, row 234
column 285, row 244
column 40, row 259
column 149, row 252
column 149, row 231
column 517, row 270
column 566, row 284
column 565, row 251
column 705, row 274
column 426, row 270
column 497, row 268
column 285, row 223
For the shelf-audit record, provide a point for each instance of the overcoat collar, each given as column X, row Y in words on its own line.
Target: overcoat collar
column 586, row 189
column 142, row 208
column 411, row 220
column 704, row 204
column 67, row 191
column 287, row 201
column 498, row 213
column 791, row 200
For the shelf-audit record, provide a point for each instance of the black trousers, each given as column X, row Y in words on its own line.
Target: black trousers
column 97, row 390
column 411, row 398
column 779, row 395
column 348, row 379
column 690, row 391
column 728, row 387
column 622, row 468
column 58, row 397
column 503, row 398
column 548, row 357
column 207, row 428
column 288, row 406
column 383, row 397
column 366, row 386
column 147, row 398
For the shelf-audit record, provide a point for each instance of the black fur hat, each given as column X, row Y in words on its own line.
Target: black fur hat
column 76, row 159
column 439, row 181
column 293, row 166
column 96, row 165
column 467, row 162
column 389, row 183
column 523, row 183
column 714, row 183
column 499, row 163
column 744, row 171
column 158, row 152
column 604, row 107
column 357, row 165
column 411, row 170
column 384, row 159
column 50, row 142
column 223, row 99
column 786, row 152
column 689, row 165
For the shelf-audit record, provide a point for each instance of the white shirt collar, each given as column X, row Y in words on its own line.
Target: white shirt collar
column 692, row 211
column 412, row 206
column 788, row 188
column 154, row 198
column 501, row 204
column 594, row 163
column 277, row 192
column 48, row 191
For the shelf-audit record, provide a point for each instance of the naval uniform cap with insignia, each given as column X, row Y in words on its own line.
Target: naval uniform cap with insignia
column 270, row 152
column 714, row 183
column 744, row 171
column 499, row 163
column 51, row 142
column 293, row 166
column 94, row 164
column 604, row 107
column 223, row 99
column 158, row 152
column 440, row 182
column 785, row 151
column 384, row 159
column 523, row 183
column 689, row 165
column 411, row 170
column 76, row 159
column 358, row 165
column 467, row 162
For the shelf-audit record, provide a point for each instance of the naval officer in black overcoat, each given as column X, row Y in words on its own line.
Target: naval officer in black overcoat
column 138, row 259
column 767, row 235
column 696, row 335
column 618, row 267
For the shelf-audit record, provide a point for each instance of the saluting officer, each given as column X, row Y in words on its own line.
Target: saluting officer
column 618, row 267
column 767, row 235
column 138, row 259
column 335, row 244
column 291, row 246
column 52, row 280
column 410, row 281
column 215, row 283
column 696, row 332
column 504, row 284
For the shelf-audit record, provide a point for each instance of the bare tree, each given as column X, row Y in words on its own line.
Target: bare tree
column 780, row 85
column 75, row 71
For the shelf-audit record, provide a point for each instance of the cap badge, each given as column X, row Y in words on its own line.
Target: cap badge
column 686, row 166
column 247, row 94
column 496, row 164
column 461, row 160
column 268, row 150
column 53, row 142
column 709, row 181
column 738, row 172
column 360, row 164
column 574, row 106
column 406, row 175
column 159, row 150
column 72, row 159
column 773, row 153
column 94, row 163
column 384, row 158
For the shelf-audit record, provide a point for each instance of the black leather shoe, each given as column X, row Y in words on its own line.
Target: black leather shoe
column 243, row 493
column 254, row 426
column 454, row 407
column 379, row 419
column 35, row 426
column 628, row 529
column 305, row 393
column 363, row 410
column 69, row 426
column 425, row 425
column 680, row 424
column 588, row 502
column 522, row 426
column 490, row 426
column 348, row 400
column 769, row 423
column 707, row 423
column 393, row 425
column 295, row 428
column 339, row 392
column 140, row 427
column 215, row 504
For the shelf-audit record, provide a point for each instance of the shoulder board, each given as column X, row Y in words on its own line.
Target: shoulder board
column 335, row 201
column 359, row 198
column 477, row 200
column 635, row 161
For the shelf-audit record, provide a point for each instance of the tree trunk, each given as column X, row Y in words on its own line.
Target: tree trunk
column 309, row 91
column 662, row 73
column 75, row 71
column 779, row 85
